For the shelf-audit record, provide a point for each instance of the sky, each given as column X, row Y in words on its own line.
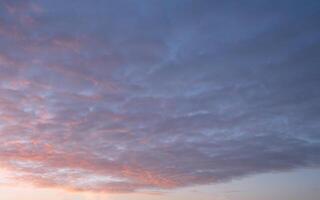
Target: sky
column 159, row 99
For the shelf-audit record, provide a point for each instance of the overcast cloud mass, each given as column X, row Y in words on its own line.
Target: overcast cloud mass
column 145, row 95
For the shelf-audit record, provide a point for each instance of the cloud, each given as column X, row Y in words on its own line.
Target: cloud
column 141, row 96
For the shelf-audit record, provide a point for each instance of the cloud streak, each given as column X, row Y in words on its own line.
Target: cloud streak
column 149, row 95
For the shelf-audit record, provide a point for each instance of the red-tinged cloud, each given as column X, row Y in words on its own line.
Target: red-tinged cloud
column 127, row 96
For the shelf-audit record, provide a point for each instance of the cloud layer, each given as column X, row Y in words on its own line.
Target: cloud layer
column 124, row 96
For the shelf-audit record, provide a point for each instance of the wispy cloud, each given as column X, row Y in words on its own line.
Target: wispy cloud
column 124, row 96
